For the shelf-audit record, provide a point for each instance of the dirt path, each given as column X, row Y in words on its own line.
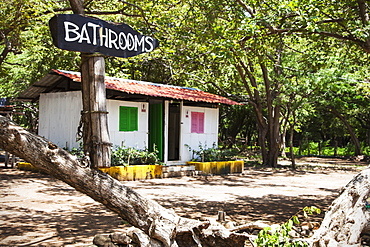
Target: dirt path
column 38, row 210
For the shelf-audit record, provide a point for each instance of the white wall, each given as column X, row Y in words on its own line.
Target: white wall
column 138, row 139
column 59, row 117
column 208, row 138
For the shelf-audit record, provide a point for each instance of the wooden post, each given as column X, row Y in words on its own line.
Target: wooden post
column 221, row 216
column 94, row 110
column 6, row 159
column 94, row 113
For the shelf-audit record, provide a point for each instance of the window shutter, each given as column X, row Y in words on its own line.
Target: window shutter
column 128, row 118
column 200, row 122
column 197, row 122
column 123, row 118
column 194, row 122
column 133, row 119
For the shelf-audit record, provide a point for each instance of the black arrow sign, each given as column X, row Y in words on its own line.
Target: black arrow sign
column 86, row 34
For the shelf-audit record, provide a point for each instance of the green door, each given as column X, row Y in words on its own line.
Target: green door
column 156, row 128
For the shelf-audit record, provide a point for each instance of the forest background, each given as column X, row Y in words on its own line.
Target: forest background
column 299, row 67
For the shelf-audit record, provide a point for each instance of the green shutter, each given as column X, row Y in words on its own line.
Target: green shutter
column 128, row 118
column 134, row 115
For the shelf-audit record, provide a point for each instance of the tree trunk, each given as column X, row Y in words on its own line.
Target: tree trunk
column 94, row 113
column 162, row 226
column 347, row 217
column 283, row 138
column 291, row 144
column 354, row 138
column 274, row 137
column 94, row 110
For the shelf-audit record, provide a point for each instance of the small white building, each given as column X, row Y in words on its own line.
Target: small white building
column 141, row 114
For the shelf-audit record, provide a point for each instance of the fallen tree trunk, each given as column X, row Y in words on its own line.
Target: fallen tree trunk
column 348, row 217
column 162, row 226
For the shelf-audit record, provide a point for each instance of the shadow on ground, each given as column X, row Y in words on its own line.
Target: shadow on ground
column 21, row 224
column 270, row 208
column 55, row 214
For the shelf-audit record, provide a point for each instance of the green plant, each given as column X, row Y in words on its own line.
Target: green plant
column 205, row 154
column 79, row 152
column 131, row 156
column 327, row 150
column 280, row 236
column 365, row 149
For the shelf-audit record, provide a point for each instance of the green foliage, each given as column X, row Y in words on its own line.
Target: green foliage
column 205, row 154
column 79, row 152
column 27, row 52
column 314, row 53
column 280, row 236
column 132, row 156
column 125, row 155
column 312, row 148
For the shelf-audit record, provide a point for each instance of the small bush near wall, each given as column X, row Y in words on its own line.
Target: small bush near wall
column 132, row 156
column 124, row 156
column 205, row 154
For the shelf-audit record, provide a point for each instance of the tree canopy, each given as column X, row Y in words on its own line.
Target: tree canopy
column 280, row 58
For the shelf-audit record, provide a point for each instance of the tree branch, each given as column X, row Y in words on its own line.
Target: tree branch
column 161, row 224
column 363, row 13
column 115, row 12
column 77, row 6
column 246, row 8
column 218, row 87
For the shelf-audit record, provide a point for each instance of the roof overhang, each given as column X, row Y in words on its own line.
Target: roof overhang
column 120, row 89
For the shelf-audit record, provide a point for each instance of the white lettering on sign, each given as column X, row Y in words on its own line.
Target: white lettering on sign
column 84, row 35
column 69, row 28
column 95, row 33
column 90, row 33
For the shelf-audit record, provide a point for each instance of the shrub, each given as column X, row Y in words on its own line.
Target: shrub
column 131, row 156
column 280, row 236
column 205, row 154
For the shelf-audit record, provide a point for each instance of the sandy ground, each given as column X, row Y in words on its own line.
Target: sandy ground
column 38, row 210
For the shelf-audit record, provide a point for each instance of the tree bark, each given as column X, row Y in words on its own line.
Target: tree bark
column 352, row 133
column 94, row 113
column 347, row 217
column 291, row 144
column 77, row 6
column 94, row 110
column 162, row 226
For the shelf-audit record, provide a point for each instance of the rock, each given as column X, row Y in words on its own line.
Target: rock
column 120, row 238
column 143, row 240
column 103, row 240
column 110, row 244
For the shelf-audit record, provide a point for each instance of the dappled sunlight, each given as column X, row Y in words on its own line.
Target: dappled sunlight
column 37, row 209
column 54, row 214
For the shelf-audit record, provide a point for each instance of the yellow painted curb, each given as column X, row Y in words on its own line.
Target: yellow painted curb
column 134, row 172
column 219, row 167
column 27, row 167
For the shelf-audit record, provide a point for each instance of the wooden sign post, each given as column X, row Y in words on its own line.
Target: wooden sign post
column 95, row 38
column 94, row 114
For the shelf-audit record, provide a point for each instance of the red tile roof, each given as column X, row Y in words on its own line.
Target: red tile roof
column 155, row 89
